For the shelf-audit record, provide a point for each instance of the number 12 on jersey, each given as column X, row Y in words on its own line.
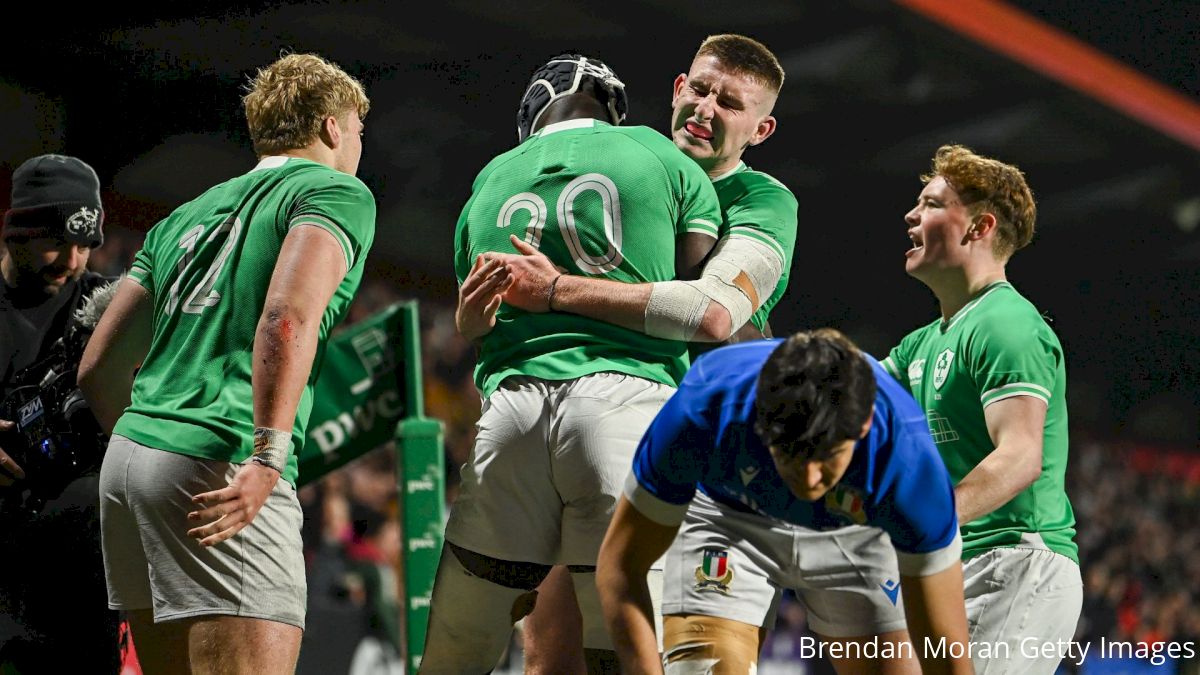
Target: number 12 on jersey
column 202, row 294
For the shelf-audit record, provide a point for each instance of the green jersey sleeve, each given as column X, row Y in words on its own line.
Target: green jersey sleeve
column 900, row 359
column 462, row 247
column 345, row 208
column 896, row 364
column 142, row 268
column 701, row 211
column 1016, row 357
column 767, row 214
column 758, row 207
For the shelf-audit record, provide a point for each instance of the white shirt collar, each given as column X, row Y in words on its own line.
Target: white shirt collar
column 271, row 162
column 730, row 172
column 582, row 123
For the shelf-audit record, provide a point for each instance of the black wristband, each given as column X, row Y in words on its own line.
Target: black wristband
column 550, row 294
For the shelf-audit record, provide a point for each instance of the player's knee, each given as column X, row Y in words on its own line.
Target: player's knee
column 697, row 645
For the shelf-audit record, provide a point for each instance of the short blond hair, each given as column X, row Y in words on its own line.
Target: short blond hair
column 288, row 101
column 987, row 185
column 745, row 56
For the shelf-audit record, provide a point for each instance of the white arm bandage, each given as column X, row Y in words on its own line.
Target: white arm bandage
column 740, row 276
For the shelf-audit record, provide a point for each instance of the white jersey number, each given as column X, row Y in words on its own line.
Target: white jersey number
column 610, row 202
column 203, row 294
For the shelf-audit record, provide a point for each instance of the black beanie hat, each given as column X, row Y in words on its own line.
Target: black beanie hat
column 56, row 196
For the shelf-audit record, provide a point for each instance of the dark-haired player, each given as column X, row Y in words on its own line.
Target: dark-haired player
column 782, row 464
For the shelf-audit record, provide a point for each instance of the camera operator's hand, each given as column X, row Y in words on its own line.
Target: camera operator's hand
column 232, row 508
column 10, row 471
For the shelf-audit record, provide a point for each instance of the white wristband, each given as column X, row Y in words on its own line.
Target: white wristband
column 271, row 448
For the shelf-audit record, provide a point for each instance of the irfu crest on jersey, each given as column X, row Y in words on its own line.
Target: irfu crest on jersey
column 941, row 368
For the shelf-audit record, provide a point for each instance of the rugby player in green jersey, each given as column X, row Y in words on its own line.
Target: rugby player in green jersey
column 224, row 317
column 990, row 374
column 566, row 397
column 720, row 107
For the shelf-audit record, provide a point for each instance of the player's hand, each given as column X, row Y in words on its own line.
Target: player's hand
column 225, row 512
column 531, row 273
column 479, row 297
column 10, row 471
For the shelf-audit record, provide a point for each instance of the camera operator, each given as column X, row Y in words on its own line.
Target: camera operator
column 54, row 614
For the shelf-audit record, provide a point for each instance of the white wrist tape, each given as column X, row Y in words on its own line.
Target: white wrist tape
column 740, row 276
column 271, row 447
column 674, row 311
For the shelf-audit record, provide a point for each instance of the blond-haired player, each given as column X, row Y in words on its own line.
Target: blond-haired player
column 226, row 310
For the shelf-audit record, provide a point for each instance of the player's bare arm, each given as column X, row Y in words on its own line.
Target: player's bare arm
column 622, row 304
column 479, row 297
column 1016, row 427
column 309, row 268
column 117, row 347
column 692, row 250
column 935, row 611
column 631, row 545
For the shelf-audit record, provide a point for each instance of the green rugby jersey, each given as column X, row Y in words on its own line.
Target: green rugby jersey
column 600, row 201
column 995, row 347
column 208, row 266
column 757, row 206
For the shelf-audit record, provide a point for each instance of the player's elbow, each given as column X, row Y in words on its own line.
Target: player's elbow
column 90, row 376
column 617, row 567
column 716, row 326
column 610, row 572
column 609, row 582
column 285, row 321
column 87, row 377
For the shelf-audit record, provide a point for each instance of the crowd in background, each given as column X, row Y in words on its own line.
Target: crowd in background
column 1135, row 507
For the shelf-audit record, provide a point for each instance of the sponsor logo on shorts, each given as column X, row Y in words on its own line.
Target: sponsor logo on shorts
column 714, row 573
column 847, row 503
column 890, row 588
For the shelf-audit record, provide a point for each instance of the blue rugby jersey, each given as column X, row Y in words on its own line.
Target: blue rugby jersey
column 704, row 438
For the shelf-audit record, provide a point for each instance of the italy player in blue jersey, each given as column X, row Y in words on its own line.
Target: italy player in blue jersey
column 782, row 464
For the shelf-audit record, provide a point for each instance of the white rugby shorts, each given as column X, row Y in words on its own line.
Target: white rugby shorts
column 548, row 465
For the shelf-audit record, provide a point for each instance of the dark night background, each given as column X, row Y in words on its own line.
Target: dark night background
column 152, row 100
column 872, row 89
